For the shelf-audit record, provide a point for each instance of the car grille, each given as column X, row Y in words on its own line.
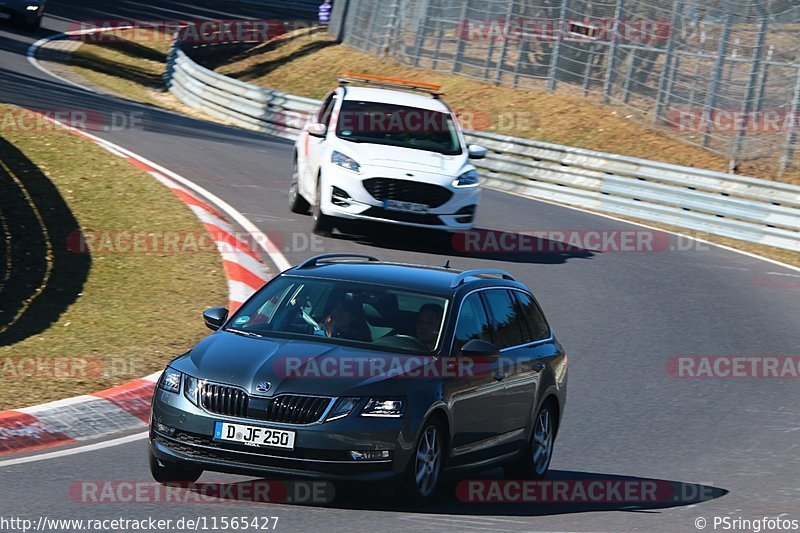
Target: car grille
column 407, row 191
column 286, row 408
column 224, row 400
column 298, row 459
column 399, row 216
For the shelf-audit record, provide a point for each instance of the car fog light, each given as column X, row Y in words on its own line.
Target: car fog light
column 161, row 428
column 370, row 455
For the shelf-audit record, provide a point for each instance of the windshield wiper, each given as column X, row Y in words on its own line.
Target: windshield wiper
column 243, row 332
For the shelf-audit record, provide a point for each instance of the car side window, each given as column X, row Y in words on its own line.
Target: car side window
column 536, row 321
column 326, row 112
column 508, row 322
column 472, row 323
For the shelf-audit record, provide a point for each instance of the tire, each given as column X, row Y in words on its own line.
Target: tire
column 297, row 204
column 424, row 474
column 323, row 224
column 34, row 26
column 172, row 472
column 535, row 459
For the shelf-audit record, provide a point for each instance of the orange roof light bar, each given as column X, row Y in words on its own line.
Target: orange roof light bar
column 397, row 83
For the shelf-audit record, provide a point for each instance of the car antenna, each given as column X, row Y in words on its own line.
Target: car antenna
column 447, row 264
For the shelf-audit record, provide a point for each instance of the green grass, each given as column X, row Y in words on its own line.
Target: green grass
column 136, row 310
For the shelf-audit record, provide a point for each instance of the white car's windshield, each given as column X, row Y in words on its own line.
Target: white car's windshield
column 396, row 125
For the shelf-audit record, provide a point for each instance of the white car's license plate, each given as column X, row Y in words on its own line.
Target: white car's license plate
column 406, row 207
column 254, row 435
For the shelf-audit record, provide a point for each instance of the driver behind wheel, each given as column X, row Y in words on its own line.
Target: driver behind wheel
column 347, row 321
column 429, row 319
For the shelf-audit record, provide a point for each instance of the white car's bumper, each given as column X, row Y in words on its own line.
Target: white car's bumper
column 359, row 197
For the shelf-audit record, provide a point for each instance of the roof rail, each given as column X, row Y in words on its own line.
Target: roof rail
column 313, row 261
column 462, row 277
column 433, row 89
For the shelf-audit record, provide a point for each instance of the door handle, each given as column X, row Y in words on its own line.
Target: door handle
column 538, row 367
column 500, row 376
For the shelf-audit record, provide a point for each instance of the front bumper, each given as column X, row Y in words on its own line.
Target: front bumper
column 456, row 214
column 321, row 449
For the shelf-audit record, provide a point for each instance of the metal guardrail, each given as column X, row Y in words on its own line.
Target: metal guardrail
column 739, row 207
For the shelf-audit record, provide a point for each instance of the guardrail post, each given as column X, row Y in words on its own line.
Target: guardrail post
column 170, row 70
column 422, row 32
column 389, row 28
column 461, row 44
column 716, row 77
column 670, row 52
column 553, row 70
column 612, row 53
column 752, row 85
column 370, row 37
column 791, row 135
column 504, row 45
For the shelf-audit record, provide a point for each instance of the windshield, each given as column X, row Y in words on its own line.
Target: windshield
column 363, row 315
column 396, row 125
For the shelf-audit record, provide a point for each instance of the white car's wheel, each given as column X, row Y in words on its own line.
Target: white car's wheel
column 323, row 224
column 297, row 203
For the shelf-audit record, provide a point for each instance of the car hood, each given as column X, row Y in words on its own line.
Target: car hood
column 300, row 366
column 407, row 159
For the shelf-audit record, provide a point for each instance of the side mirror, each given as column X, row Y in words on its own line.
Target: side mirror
column 215, row 317
column 317, row 129
column 479, row 348
column 476, row 152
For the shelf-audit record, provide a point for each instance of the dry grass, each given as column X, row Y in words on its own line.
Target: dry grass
column 136, row 311
column 310, row 65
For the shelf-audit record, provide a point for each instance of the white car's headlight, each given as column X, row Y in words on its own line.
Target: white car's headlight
column 339, row 159
column 389, row 407
column 467, row 179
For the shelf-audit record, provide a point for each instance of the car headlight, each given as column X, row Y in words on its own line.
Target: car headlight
column 170, row 380
column 191, row 388
column 32, row 8
column 339, row 159
column 467, row 179
column 343, row 407
column 387, row 407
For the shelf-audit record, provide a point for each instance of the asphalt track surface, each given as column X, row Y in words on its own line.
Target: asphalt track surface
column 621, row 317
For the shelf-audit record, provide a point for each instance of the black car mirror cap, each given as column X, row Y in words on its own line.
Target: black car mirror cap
column 215, row 317
column 479, row 348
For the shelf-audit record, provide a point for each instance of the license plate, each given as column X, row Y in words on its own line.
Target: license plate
column 254, row 435
column 4, row 16
column 405, row 207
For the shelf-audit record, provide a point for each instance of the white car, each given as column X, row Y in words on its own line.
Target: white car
column 385, row 154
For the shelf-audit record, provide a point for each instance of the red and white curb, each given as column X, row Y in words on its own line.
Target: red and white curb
column 127, row 406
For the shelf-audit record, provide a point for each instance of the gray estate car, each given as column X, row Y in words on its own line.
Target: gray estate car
column 348, row 368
